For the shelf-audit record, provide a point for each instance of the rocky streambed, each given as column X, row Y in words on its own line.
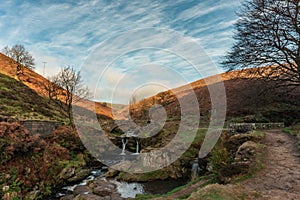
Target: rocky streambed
column 96, row 186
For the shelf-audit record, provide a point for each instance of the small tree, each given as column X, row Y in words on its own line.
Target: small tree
column 19, row 54
column 268, row 34
column 52, row 88
column 71, row 82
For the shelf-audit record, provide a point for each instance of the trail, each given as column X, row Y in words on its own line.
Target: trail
column 280, row 177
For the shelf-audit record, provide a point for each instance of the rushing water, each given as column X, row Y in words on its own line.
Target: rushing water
column 195, row 169
column 129, row 190
column 70, row 188
column 126, row 190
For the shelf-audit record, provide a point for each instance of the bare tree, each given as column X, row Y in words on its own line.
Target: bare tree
column 71, row 82
column 52, row 88
column 66, row 87
column 268, row 34
column 19, row 54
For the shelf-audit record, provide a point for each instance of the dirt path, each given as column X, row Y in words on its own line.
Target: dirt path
column 280, row 178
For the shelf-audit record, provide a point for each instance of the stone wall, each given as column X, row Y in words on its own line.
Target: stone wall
column 44, row 128
column 245, row 127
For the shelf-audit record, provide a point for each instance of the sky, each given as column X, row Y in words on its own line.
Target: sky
column 123, row 48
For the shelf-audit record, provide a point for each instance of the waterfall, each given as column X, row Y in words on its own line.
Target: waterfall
column 137, row 148
column 195, row 170
column 124, row 142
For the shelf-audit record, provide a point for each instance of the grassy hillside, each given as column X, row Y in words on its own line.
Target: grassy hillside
column 35, row 82
column 19, row 101
column 248, row 100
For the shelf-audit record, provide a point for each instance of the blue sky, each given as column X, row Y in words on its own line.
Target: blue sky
column 75, row 33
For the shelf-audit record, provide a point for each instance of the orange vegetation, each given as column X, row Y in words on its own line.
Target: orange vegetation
column 35, row 81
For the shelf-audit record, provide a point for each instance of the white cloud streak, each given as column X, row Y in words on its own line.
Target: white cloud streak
column 66, row 33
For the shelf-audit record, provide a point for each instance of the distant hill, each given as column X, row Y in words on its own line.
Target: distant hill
column 249, row 99
column 35, row 82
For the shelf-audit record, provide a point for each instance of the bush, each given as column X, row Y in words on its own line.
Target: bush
column 219, row 161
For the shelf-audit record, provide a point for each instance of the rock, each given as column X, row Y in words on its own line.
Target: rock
column 105, row 189
column 246, row 152
column 67, row 197
column 116, row 196
column 111, row 173
column 173, row 171
column 5, row 188
column 67, row 173
column 234, row 142
column 91, row 184
column 33, row 194
column 88, row 197
column 101, row 189
column 82, row 174
column 81, row 189
column 244, row 160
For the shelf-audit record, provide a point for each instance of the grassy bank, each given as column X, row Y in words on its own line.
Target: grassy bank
column 295, row 131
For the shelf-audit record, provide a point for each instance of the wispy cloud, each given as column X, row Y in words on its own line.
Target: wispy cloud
column 67, row 32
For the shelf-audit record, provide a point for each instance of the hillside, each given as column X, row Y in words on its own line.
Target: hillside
column 35, row 81
column 19, row 101
column 248, row 99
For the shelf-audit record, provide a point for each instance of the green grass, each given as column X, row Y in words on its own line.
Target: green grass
column 214, row 195
column 295, row 131
column 19, row 101
column 150, row 196
column 260, row 134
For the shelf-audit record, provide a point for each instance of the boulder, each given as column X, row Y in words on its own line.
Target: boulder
column 111, row 173
column 104, row 189
column 234, row 142
column 246, row 152
column 245, row 159
column 81, row 189
column 82, row 174
column 67, row 173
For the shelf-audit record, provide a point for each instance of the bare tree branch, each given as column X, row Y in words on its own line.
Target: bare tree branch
column 67, row 87
column 268, row 34
column 19, row 54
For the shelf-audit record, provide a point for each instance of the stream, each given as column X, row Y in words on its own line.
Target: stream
column 125, row 189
